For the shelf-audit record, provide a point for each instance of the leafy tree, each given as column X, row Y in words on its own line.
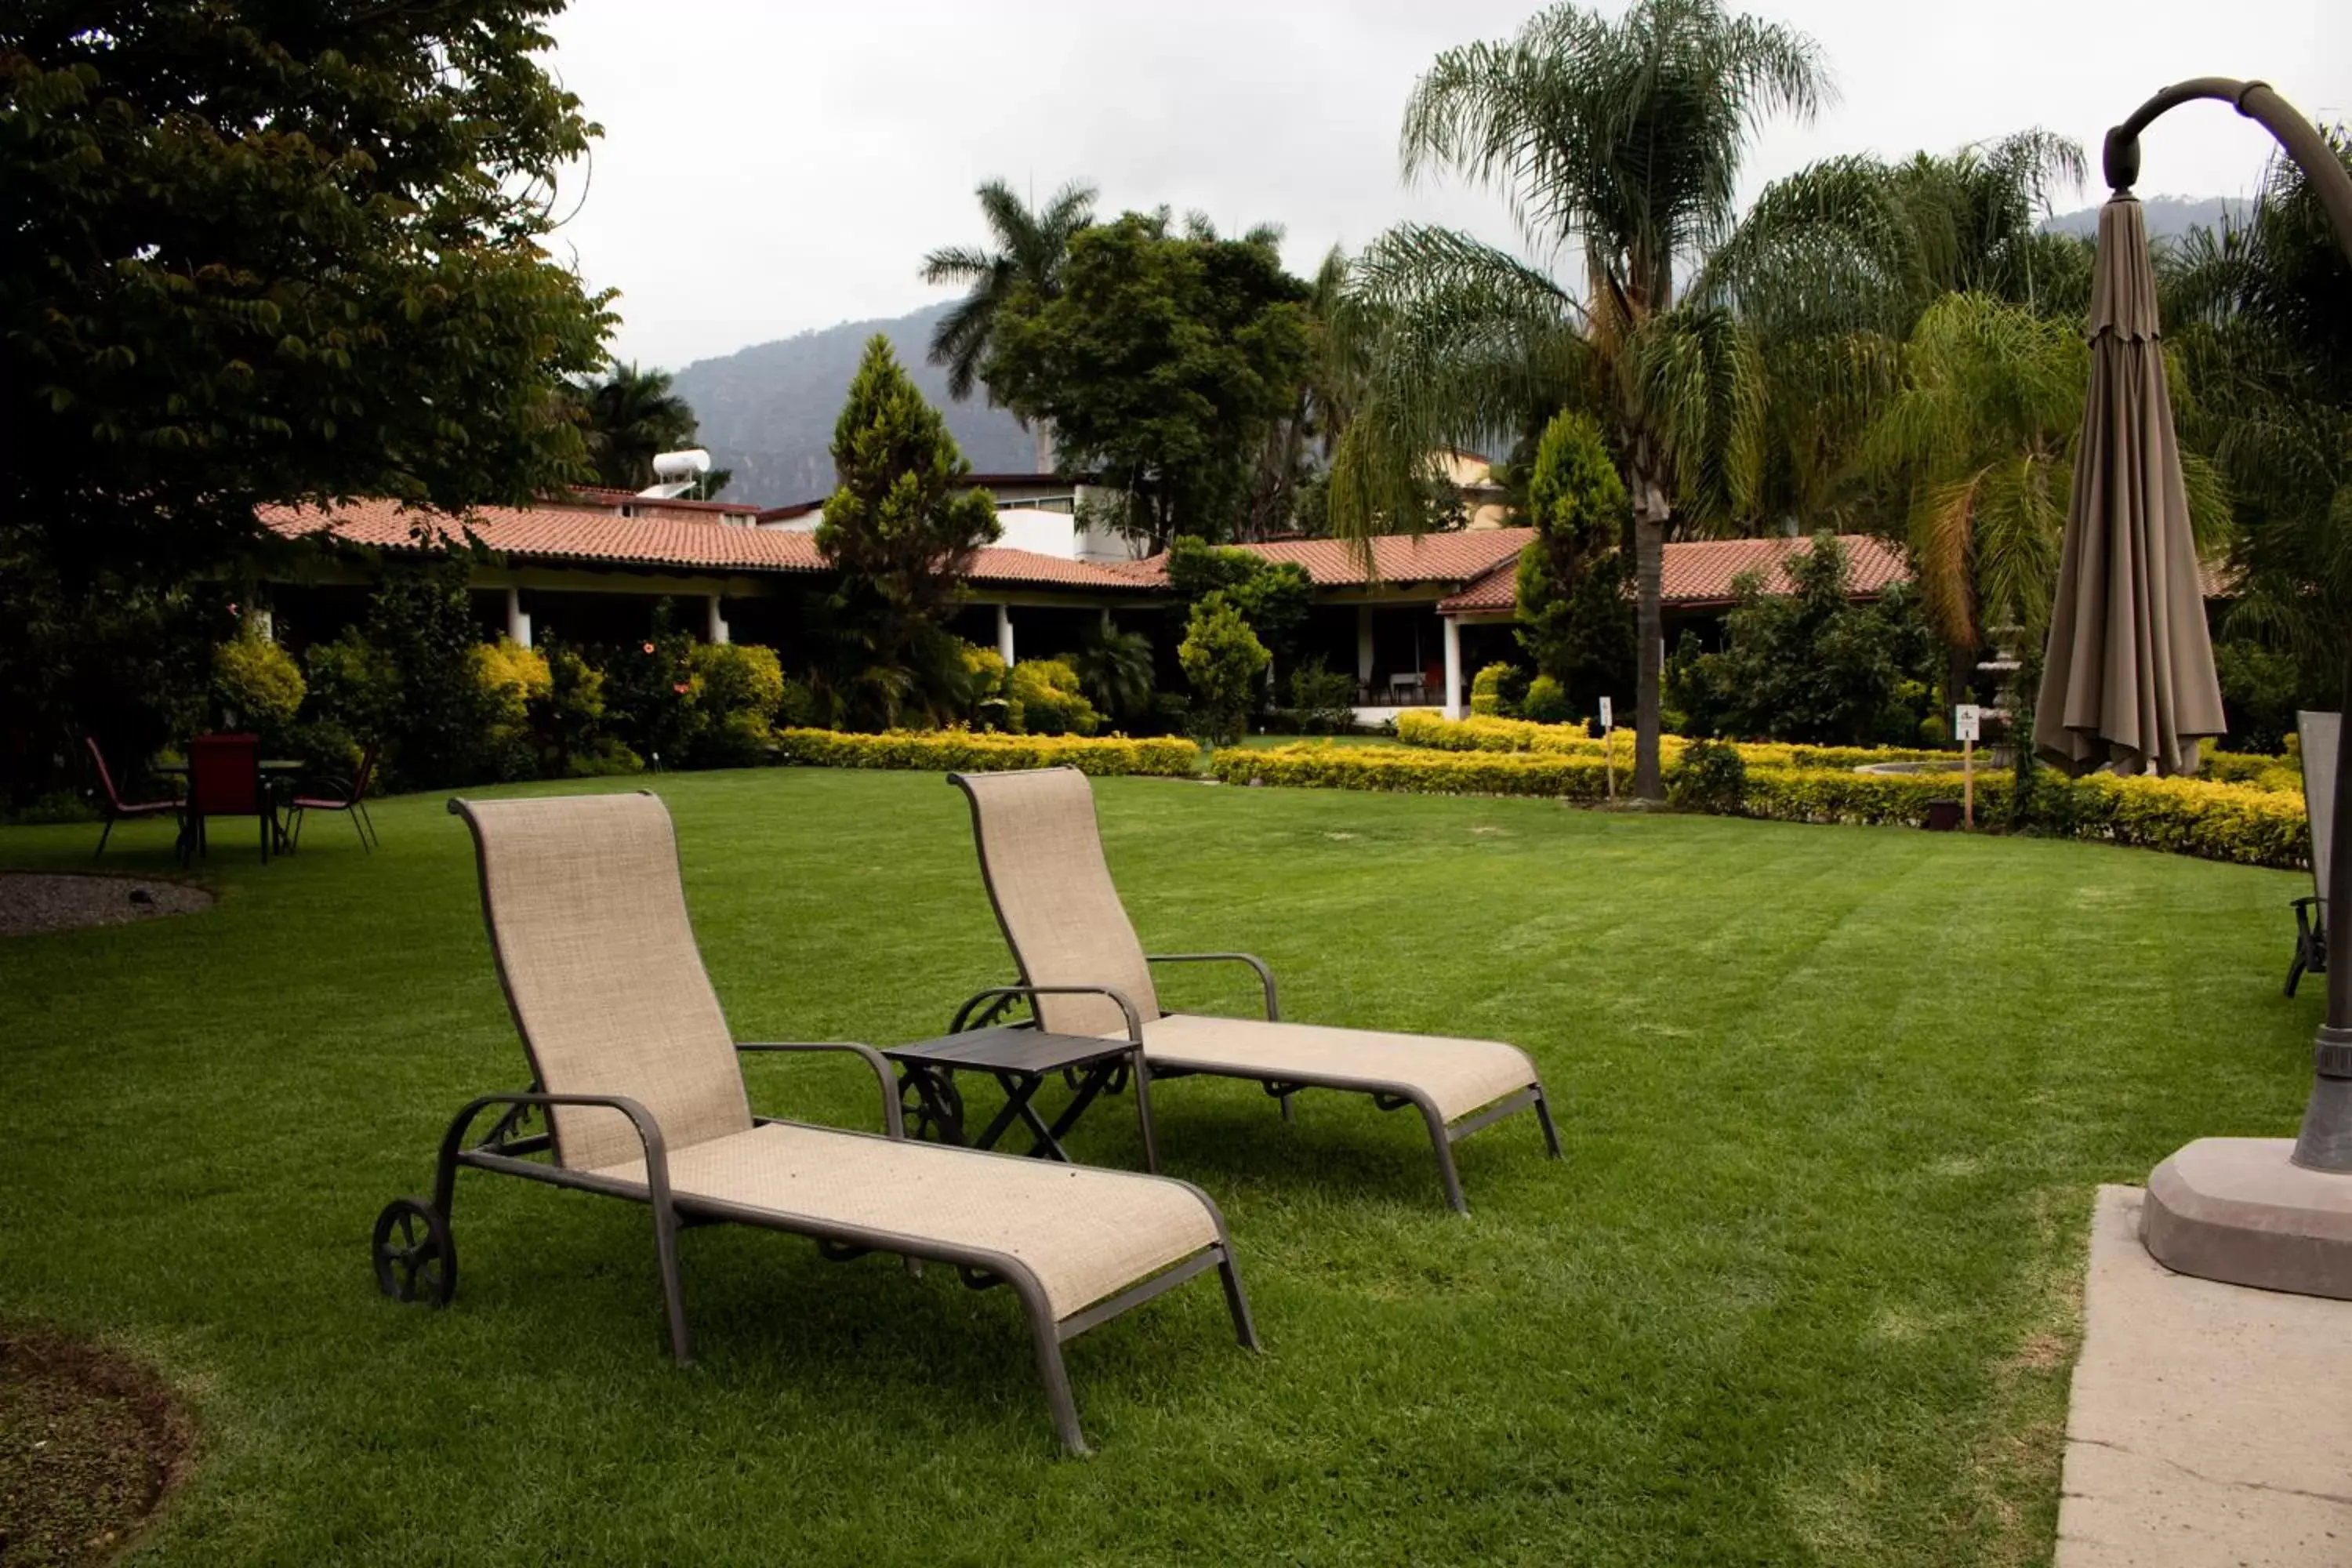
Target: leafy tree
column 1624, row 137
column 1979, row 446
column 1288, row 491
column 1272, row 596
column 128, row 664
column 435, row 713
column 1163, row 364
column 1114, row 669
column 2258, row 314
column 1225, row 662
column 630, row 416
column 903, row 536
column 1044, row 696
column 268, row 254
column 649, row 691
column 1030, row 249
column 1575, row 620
column 1810, row 665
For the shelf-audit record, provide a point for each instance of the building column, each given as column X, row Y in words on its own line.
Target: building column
column 1453, row 668
column 1004, row 633
column 716, row 630
column 1364, row 646
column 517, row 623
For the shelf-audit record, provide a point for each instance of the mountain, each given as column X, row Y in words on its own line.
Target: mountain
column 767, row 411
column 2167, row 217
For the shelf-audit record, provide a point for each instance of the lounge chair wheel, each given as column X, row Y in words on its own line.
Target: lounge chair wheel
column 933, row 1106
column 415, row 1259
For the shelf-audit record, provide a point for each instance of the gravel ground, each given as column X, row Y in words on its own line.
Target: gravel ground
column 43, row 901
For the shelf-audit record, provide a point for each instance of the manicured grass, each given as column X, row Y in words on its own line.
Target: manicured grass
column 1804, row 1290
column 1264, row 740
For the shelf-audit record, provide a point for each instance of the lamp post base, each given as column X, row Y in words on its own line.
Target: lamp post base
column 2239, row 1210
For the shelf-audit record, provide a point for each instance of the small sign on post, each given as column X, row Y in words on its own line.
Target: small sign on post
column 1968, row 721
column 1609, row 746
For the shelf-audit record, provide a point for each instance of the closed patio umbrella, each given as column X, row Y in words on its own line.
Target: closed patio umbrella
column 2128, row 680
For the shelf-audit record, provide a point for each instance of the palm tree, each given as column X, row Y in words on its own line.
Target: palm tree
column 1030, row 248
column 2260, row 313
column 629, row 417
column 1979, row 444
column 1624, row 138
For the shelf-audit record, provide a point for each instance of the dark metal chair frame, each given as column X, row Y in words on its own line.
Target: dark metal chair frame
column 1386, row 1094
column 430, row 1262
column 117, row 809
column 354, row 802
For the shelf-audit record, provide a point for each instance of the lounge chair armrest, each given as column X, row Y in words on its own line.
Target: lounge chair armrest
column 893, row 1121
column 648, row 1134
column 1264, row 975
column 1134, row 1016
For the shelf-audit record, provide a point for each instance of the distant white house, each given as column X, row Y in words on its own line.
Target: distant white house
column 1039, row 513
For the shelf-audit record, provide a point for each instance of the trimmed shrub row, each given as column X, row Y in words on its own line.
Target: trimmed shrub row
column 1484, row 733
column 2239, row 822
column 971, row 751
column 1400, row 768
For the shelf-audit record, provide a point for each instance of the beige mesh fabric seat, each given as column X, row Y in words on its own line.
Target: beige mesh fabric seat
column 636, row 1073
column 1041, row 856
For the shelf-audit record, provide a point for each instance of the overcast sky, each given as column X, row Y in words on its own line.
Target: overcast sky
column 768, row 167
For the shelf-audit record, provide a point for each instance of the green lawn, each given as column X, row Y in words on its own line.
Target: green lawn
column 1264, row 740
column 1804, row 1290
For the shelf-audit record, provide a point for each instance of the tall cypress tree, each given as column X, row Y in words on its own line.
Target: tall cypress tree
column 1576, row 620
column 903, row 536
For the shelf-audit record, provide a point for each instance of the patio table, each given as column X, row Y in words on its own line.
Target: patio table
column 276, row 772
column 1019, row 1058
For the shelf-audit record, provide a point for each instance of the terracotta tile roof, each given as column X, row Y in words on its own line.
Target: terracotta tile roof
column 1699, row 573
column 1397, row 558
column 587, row 533
column 1005, row 567
column 1498, row 590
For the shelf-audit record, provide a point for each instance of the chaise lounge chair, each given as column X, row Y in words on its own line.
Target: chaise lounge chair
column 1041, row 856
column 636, row 1074
column 2319, row 733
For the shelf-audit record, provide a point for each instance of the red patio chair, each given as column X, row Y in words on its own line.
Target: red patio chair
column 341, row 795
column 225, row 780
column 117, row 808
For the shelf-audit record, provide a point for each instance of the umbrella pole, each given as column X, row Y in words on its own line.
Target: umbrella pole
column 2324, row 1142
column 2260, row 1211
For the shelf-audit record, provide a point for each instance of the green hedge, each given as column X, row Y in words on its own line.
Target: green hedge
column 977, row 752
column 1485, row 733
column 2233, row 822
column 1418, row 772
column 2283, row 774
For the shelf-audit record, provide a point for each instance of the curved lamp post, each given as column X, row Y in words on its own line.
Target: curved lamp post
column 2257, row 1211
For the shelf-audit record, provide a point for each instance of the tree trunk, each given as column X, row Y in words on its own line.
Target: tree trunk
column 1042, row 430
column 1649, row 632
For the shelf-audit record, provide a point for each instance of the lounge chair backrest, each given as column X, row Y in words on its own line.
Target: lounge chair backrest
column 1041, row 854
column 2319, row 733
column 588, row 923
column 225, row 774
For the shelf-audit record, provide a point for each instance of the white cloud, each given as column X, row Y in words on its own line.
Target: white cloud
column 768, row 167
